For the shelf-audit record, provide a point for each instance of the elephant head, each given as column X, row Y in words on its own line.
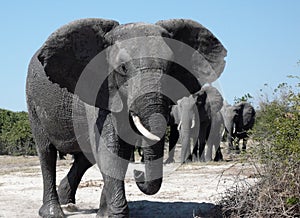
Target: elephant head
column 209, row 100
column 132, row 71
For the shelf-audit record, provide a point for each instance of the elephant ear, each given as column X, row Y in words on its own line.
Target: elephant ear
column 205, row 56
column 248, row 115
column 213, row 98
column 66, row 53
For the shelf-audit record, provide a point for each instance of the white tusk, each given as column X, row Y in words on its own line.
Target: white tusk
column 223, row 132
column 193, row 124
column 179, row 125
column 143, row 130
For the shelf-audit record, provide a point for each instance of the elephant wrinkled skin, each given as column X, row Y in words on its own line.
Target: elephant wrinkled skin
column 95, row 87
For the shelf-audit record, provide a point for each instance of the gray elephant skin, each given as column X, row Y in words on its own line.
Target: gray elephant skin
column 100, row 122
column 199, row 122
column 238, row 120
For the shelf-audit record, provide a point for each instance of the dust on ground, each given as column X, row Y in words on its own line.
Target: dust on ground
column 189, row 190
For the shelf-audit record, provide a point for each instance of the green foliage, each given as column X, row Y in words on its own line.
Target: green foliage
column 276, row 157
column 277, row 126
column 245, row 98
column 15, row 134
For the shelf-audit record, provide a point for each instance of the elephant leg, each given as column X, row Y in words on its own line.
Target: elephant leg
column 186, row 147
column 202, row 141
column 208, row 155
column 195, row 153
column 173, row 138
column 237, row 145
column 68, row 186
column 202, row 151
column 244, row 143
column 219, row 155
column 113, row 201
column 48, row 156
column 230, row 141
column 113, row 164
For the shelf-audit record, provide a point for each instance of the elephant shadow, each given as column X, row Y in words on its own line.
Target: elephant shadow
column 145, row 209
column 173, row 209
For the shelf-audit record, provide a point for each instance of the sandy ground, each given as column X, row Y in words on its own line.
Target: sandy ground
column 189, row 190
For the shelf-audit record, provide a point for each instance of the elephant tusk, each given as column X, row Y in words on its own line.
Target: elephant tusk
column 179, row 125
column 143, row 130
column 193, row 124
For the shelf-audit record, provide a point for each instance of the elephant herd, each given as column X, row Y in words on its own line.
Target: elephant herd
column 201, row 120
column 95, row 87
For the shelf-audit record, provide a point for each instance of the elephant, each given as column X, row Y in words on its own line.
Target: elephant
column 197, row 117
column 175, row 122
column 238, row 119
column 96, row 86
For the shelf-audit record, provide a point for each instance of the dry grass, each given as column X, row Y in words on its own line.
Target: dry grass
column 275, row 194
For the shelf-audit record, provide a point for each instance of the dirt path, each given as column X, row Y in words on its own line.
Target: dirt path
column 187, row 190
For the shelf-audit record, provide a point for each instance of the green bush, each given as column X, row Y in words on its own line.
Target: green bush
column 276, row 156
column 15, row 134
column 277, row 128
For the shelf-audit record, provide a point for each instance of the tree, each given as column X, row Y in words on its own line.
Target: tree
column 247, row 98
column 15, row 134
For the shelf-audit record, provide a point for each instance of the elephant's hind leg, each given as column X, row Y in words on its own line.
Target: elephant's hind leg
column 48, row 155
column 68, row 186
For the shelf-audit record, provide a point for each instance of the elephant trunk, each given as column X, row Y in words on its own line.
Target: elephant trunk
column 151, row 109
column 150, row 181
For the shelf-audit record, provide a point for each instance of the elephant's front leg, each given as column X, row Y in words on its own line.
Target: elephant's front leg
column 186, row 146
column 244, row 143
column 114, row 161
column 199, row 152
column 113, row 201
column 230, row 141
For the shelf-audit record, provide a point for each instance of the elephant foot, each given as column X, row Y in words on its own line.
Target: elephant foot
column 51, row 209
column 64, row 192
column 101, row 213
column 217, row 159
column 69, row 207
column 169, row 160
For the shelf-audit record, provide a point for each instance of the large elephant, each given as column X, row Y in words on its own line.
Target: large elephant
column 95, row 87
column 198, row 120
column 238, row 119
column 182, row 124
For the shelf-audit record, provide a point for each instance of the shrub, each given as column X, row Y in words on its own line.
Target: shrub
column 15, row 134
column 276, row 156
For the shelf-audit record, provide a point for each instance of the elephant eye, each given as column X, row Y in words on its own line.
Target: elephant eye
column 123, row 69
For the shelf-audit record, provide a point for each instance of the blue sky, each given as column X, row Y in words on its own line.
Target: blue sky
column 262, row 36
